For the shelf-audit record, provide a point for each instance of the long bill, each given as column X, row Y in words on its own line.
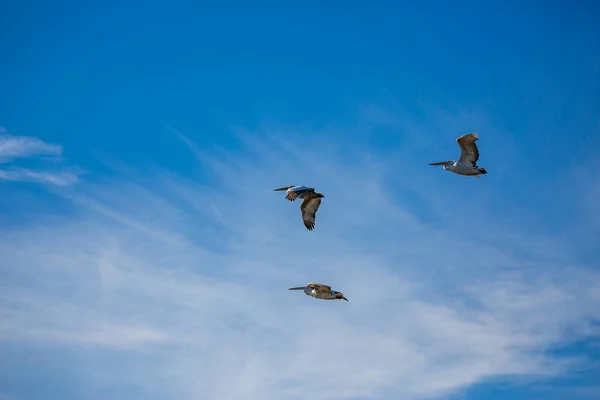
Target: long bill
column 439, row 163
column 297, row 288
column 283, row 188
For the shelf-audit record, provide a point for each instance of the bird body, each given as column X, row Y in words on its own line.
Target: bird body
column 319, row 291
column 309, row 206
column 293, row 192
column 467, row 162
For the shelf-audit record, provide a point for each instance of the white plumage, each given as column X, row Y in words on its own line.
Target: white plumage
column 467, row 162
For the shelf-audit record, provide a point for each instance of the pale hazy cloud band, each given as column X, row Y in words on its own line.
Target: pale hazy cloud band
column 13, row 148
column 25, row 146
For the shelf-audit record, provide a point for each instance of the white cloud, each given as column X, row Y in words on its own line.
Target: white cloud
column 16, row 147
column 197, row 276
column 61, row 178
column 25, row 146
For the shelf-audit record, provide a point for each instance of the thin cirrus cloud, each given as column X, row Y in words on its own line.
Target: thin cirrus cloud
column 24, row 146
column 15, row 148
column 61, row 178
column 192, row 279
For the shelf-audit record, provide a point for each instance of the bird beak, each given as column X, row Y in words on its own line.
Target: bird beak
column 297, row 288
column 345, row 298
column 438, row 163
column 283, row 188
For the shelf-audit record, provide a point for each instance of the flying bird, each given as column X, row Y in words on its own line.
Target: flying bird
column 309, row 206
column 293, row 192
column 467, row 162
column 319, row 291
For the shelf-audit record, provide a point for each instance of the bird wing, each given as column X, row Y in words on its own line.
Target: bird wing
column 309, row 209
column 293, row 193
column 321, row 288
column 468, row 149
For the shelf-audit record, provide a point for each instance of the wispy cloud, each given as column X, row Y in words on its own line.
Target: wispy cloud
column 195, row 275
column 60, row 178
column 25, row 146
column 13, row 148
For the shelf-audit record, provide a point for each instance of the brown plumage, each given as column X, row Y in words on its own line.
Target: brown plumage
column 319, row 287
column 469, row 153
column 320, row 291
column 309, row 208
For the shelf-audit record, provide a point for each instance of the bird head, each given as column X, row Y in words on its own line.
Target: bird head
column 283, row 188
column 444, row 164
column 298, row 288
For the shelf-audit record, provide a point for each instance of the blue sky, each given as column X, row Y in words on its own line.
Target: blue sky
column 145, row 255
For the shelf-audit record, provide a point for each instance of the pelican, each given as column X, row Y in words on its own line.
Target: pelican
column 319, row 291
column 309, row 206
column 467, row 162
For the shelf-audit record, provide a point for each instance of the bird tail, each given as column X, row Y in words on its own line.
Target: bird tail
column 482, row 170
